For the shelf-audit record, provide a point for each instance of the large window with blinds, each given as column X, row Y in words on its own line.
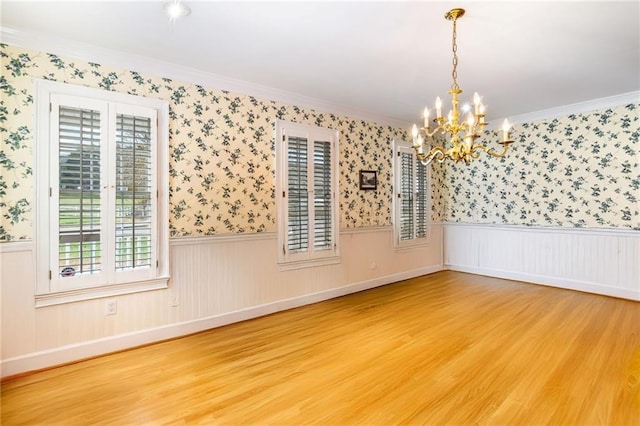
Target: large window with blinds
column 411, row 197
column 101, row 206
column 306, row 175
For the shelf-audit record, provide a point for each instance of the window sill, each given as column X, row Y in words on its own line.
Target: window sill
column 308, row 263
column 78, row 295
column 412, row 245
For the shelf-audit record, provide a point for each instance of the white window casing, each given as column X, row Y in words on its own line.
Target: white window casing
column 411, row 198
column 306, row 194
column 101, row 193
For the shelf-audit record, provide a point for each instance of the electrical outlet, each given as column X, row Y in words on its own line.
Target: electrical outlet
column 111, row 307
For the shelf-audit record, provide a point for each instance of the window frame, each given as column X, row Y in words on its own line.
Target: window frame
column 301, row 259
column 399, row 147
column 48, row 290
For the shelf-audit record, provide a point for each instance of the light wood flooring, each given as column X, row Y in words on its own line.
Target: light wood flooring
column 448, row 348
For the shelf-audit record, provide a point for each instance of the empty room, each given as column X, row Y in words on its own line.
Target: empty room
column 314, row 212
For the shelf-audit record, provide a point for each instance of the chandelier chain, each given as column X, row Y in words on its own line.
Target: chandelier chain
column 454, row 73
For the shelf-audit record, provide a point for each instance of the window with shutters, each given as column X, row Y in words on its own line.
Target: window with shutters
column 411, row 197
column 306, row 188
column 102, row 202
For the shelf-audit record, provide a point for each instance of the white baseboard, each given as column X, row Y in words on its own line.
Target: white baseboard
column 84, row 350
column 569, row 284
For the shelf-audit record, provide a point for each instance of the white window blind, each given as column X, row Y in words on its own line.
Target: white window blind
column 411, row 198
column 298, row 199
column 134, row 202
column 407, row 196
column 322, row 195
column 307, row 187
column 79, row 205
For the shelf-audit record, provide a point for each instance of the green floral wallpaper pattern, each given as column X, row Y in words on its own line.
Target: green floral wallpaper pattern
column 221, row 149
column 581, row 170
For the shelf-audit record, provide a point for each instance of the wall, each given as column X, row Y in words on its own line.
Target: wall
column 580, row 170
column 222, row 217
column 221, row 147
column 562, row 208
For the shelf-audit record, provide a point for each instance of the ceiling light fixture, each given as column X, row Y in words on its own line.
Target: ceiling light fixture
column 176, row 9
column 462, row 134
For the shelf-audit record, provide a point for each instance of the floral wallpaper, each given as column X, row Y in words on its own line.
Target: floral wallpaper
column 221, row 149
column 581, row 170
column 578, row 171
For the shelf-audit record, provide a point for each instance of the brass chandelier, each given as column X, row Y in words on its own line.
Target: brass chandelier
column 462, row 134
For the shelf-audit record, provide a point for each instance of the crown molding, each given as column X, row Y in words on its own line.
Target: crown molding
column 565, row 110
column 128, row 61
column 83, row 51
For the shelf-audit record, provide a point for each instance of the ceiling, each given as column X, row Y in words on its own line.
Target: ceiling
column 384, row 58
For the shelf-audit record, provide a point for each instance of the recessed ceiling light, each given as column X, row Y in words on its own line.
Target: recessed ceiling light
column 176, row 9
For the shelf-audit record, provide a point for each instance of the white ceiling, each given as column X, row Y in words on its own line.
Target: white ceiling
column 385, row 58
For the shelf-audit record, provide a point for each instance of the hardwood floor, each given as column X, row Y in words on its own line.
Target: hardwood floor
column 448, row 348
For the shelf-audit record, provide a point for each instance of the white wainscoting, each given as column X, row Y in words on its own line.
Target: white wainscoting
column 214, row 281
column 605, row 261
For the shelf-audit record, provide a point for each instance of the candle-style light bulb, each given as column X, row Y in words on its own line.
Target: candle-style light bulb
column 505, row 130
column 450, row 116
column 470, row 121
column 476, row 102
column 439, row 107
column 426, row 117
column 414, row 133
column 420, row 144
column 481, row 113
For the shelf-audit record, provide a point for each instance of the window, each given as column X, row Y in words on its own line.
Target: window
column 306, row 175
column 411, row 197
column 101, row 193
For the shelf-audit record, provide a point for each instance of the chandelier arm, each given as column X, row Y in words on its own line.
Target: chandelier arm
column 491, row 152
column 436, row 151
column 431, row 134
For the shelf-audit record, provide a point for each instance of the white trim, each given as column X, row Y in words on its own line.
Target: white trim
column 564, row 110
column 399, row 146
column 366, row 229
column 550, row 281
column 601, row 261
column 47, row 290
column 143, row 64
column 27, row 245
column 222, row 238
column 308, row 263
column 621, row 232
column 288, row 259
column 75, row 352
column 16, row 246
column 88, row 293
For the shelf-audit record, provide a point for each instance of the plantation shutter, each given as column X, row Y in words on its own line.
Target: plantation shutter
column 79, row 198
column 421, row 199
column 104, row 200
column 298, row 200
column 101, row 171
column 133, row 213
column 411, row 203
column 306, row 170
column 407, row 189
column 322, row 195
